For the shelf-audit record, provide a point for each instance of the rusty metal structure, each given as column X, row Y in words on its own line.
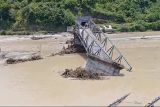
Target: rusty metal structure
column 153, row 102
column 118, row 101
column 98, row 46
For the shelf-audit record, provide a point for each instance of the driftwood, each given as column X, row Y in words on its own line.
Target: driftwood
column 80, row 73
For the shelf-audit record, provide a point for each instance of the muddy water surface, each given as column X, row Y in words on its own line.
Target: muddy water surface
column 39, row 82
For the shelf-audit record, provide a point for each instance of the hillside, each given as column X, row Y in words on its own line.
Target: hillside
column 55, row 15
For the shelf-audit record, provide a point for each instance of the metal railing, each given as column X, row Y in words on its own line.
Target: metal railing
column 153, row 102
column 103, row 38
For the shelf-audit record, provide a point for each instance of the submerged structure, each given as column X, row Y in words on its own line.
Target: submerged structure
column 103, row 56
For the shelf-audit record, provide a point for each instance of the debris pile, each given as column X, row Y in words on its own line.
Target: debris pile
column 70, row 49
column 80, row 73
column 71, row 41
column 18, row 57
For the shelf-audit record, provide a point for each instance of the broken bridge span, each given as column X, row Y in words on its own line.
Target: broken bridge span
column 103, row 56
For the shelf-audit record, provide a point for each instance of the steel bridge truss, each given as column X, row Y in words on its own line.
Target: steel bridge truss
column 98, row 44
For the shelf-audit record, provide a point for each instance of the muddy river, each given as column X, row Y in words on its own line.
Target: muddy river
column 39, row 82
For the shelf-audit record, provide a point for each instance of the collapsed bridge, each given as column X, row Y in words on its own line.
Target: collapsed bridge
column 103, row 56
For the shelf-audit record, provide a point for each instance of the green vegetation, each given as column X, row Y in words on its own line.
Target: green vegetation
column 55, row 15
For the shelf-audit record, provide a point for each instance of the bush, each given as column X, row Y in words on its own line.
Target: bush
column 124, row 28
column 69, row 18
column 22, row 14
column 138, row 26
column 108, row 16
column 3, row 32
column 18, row 33
column 155, row 26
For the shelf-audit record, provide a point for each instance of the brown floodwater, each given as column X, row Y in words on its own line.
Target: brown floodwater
column 39, row 82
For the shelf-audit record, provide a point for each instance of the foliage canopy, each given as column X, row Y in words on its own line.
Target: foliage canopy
column 131, row 15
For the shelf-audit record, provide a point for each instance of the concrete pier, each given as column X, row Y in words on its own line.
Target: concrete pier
column 102, row 67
